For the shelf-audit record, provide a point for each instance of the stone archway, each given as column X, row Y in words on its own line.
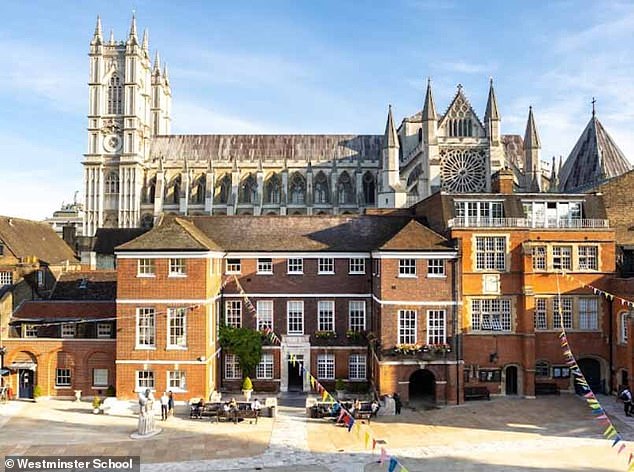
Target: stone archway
column 422, row 386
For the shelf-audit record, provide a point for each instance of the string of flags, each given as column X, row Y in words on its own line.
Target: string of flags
column 598, row 291
column 599, row 413
column 345, row 417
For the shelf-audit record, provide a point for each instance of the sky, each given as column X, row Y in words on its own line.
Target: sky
column 309, row 67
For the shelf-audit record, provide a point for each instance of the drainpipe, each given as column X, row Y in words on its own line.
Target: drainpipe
column 371, row 346
column 457, row 347
column 611, row 346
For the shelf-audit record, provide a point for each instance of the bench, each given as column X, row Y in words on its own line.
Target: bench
column 476, row 393
column 237, row 415
column 546, row 388
column 363, row 415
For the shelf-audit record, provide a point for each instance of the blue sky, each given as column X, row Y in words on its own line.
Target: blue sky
column 310, row 67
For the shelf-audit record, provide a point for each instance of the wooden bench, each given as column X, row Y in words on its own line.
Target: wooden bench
column 546, row 388
column 476, row 393
column 362, row 415
column 237, row 415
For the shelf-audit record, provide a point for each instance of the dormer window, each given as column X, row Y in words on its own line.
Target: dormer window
column 486, row 213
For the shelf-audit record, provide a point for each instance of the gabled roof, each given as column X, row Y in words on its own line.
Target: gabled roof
column 86, row 285
column 459, row 102
column 64, row 310
column 594, row 159
column 106, row 239
column 26, row 238
column 254, row 147
column 172, row 234
column 415, row 236
column 247, row 233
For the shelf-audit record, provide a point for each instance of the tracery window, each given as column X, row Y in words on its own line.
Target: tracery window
column 248, row 189
column 115, row 95
column 321, row 188
column 223, row 190
column 298, row 189
column 345, row 190
column 174, row 190
column 112, row 182
column 198, row 190
column 273, row 190
column 369, row 189
column 463, row 170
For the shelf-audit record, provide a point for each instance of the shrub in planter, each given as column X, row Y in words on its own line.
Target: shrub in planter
column 247, row 384
column 111, row 392
column 37, row 392
column 340, row 386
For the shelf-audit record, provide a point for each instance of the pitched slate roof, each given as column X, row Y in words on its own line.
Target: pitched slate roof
column 286, row 233
column 88, row 285
column 298, row 147
column 106, row 239
column 415, row 236
column 64, row 310
column 25, row 238
column 594, row 159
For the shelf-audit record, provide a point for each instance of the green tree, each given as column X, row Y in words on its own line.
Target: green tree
column 245, row 344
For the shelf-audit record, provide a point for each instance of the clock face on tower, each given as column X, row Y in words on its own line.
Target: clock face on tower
column 112, row 143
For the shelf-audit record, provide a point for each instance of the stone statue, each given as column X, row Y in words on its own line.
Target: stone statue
column 146, row 413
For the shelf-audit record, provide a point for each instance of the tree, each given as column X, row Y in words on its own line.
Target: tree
column 245, row 344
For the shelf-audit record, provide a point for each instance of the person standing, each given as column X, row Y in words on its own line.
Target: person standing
column 626, row 396
column 170, row 403
column 397, row 403
column 164, row 406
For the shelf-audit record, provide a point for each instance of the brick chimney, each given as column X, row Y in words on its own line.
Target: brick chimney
column 503, row 181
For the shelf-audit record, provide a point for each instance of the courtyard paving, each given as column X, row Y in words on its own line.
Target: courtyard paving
column 545, row 434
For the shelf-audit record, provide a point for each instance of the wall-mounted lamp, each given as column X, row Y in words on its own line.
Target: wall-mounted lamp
column 493, row 357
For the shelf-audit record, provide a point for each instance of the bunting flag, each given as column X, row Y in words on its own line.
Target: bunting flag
column 383, row 457
column 350, row 423
column 393, row 464
column 374, row 446
column 367, row 440
column 403, row 469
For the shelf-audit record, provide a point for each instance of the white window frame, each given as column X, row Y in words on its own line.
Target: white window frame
column 145, row 328
column 356, row 315
column 6, row 278
column 357, row 367
column 491, row 314
column 588, row 313
column 326, row 366
column 563, row 256
column 295, row 307
column 68, row 330
column 624, row 323
column 264, row 314
column 177, row 267
column 233, row 371
column 63, row 373
column 325, row 266
column 100, row 378
column 264, row 370
column 265, row 266
column 588, row 258
column 29, row 331
column 489, row 212
column 326, row 315
column 436, row 327
column 566, row 312
column 176, row 381
column 407, row 327
column 104, row 330
column 177, row 328
column 356, row 266
column 436, row 268
column 544, row 366
column 146, row 267
column 407, row 268
column 490, row 253
column 233, row 266
column 540, row 257
column 233, row 313
column 540, row 321
column 295, row 266
column 144, row 380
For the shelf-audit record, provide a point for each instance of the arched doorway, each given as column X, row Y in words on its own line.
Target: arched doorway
column 25, row 365
column 422, row 386
column 511, row 380
column 591, row 369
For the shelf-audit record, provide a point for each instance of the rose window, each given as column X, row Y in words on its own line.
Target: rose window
column 463, row 170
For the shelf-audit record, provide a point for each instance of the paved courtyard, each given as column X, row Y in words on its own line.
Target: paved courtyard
column 546, row 434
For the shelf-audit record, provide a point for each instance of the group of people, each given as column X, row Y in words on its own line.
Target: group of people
column 167, row 405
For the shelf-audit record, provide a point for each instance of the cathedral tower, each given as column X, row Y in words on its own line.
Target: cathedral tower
column 128, row 104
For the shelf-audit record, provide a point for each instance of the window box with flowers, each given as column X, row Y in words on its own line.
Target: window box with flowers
column 424, row 351
column 356, row 337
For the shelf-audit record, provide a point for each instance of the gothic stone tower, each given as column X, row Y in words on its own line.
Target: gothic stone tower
column 129, row 102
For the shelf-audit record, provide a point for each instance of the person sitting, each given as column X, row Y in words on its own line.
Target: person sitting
column 256, row 405
column 233, row 405
column 226, row 408
column 374, row 408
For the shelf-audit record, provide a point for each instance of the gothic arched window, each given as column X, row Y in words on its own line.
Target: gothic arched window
column 345, row 191
column 112, row 182
column 273, row 190
column 369, row 188
column 223, row 190
column 322, row 194
column 115, row 95
column 198, row 190
column 174, row 190
column 248, row 189
column 150, row 191
column 298, row 189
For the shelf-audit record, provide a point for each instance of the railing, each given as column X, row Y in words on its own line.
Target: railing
column 465, row 222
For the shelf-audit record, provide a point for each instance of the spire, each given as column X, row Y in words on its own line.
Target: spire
column 97, row 37
column 594, row 100
column 429, row 109
column 146, row 41
column 165, row 74
column 111, row 41
column 157, row 62
column 133, row 35
column 391, row 137
column 531, row 138
column 491, row 112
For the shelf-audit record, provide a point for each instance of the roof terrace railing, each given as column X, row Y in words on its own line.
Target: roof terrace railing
column 572, row 223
